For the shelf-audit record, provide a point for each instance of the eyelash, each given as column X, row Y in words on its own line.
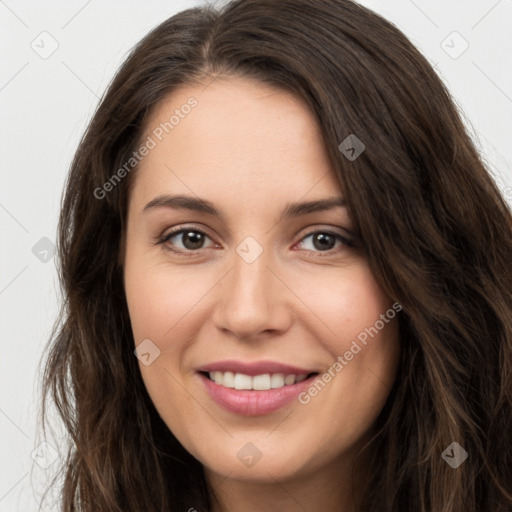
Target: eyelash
column 346, row 242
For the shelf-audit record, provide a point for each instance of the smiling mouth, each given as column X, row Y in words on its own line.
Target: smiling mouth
column 262, row 382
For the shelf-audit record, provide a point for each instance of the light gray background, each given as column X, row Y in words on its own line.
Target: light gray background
column 45, row 105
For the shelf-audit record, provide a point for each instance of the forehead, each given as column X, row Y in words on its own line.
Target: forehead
column 240, row 137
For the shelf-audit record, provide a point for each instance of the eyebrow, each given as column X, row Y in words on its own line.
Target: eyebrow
column 207, row 207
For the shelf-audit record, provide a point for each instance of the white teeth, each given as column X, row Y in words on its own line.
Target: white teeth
column 289, row 380
column 277, row 380
column 258, row 382
column 261, row 382
column 228, row 379
column 243, row 381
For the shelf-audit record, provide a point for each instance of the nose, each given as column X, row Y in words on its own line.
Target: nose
column 252, row 300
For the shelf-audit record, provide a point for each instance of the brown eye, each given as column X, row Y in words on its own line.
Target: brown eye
column 325, row 241
column 191, row 239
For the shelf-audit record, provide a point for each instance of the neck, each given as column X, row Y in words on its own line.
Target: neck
column 330, row 489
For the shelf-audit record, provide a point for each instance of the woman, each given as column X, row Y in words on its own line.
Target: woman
column 216, row 353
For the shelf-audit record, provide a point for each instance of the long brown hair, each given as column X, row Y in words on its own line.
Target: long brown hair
column 436, row 229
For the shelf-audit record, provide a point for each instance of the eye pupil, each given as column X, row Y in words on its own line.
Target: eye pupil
column 195, row 238
column 323, row 240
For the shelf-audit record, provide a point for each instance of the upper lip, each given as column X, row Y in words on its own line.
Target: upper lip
column 254, row 368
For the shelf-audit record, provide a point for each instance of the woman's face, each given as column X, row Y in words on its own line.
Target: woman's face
column 270, row 294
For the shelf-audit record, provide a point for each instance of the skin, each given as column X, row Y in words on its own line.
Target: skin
column 250, row 149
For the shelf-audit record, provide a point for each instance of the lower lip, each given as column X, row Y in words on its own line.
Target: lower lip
column 254, row 403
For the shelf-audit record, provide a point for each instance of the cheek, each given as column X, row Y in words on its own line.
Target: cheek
column 161, row 300
column 159, row 297
column 363, row 343
column 342, row 303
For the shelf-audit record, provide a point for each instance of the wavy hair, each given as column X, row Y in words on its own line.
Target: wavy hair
column 437, row 234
